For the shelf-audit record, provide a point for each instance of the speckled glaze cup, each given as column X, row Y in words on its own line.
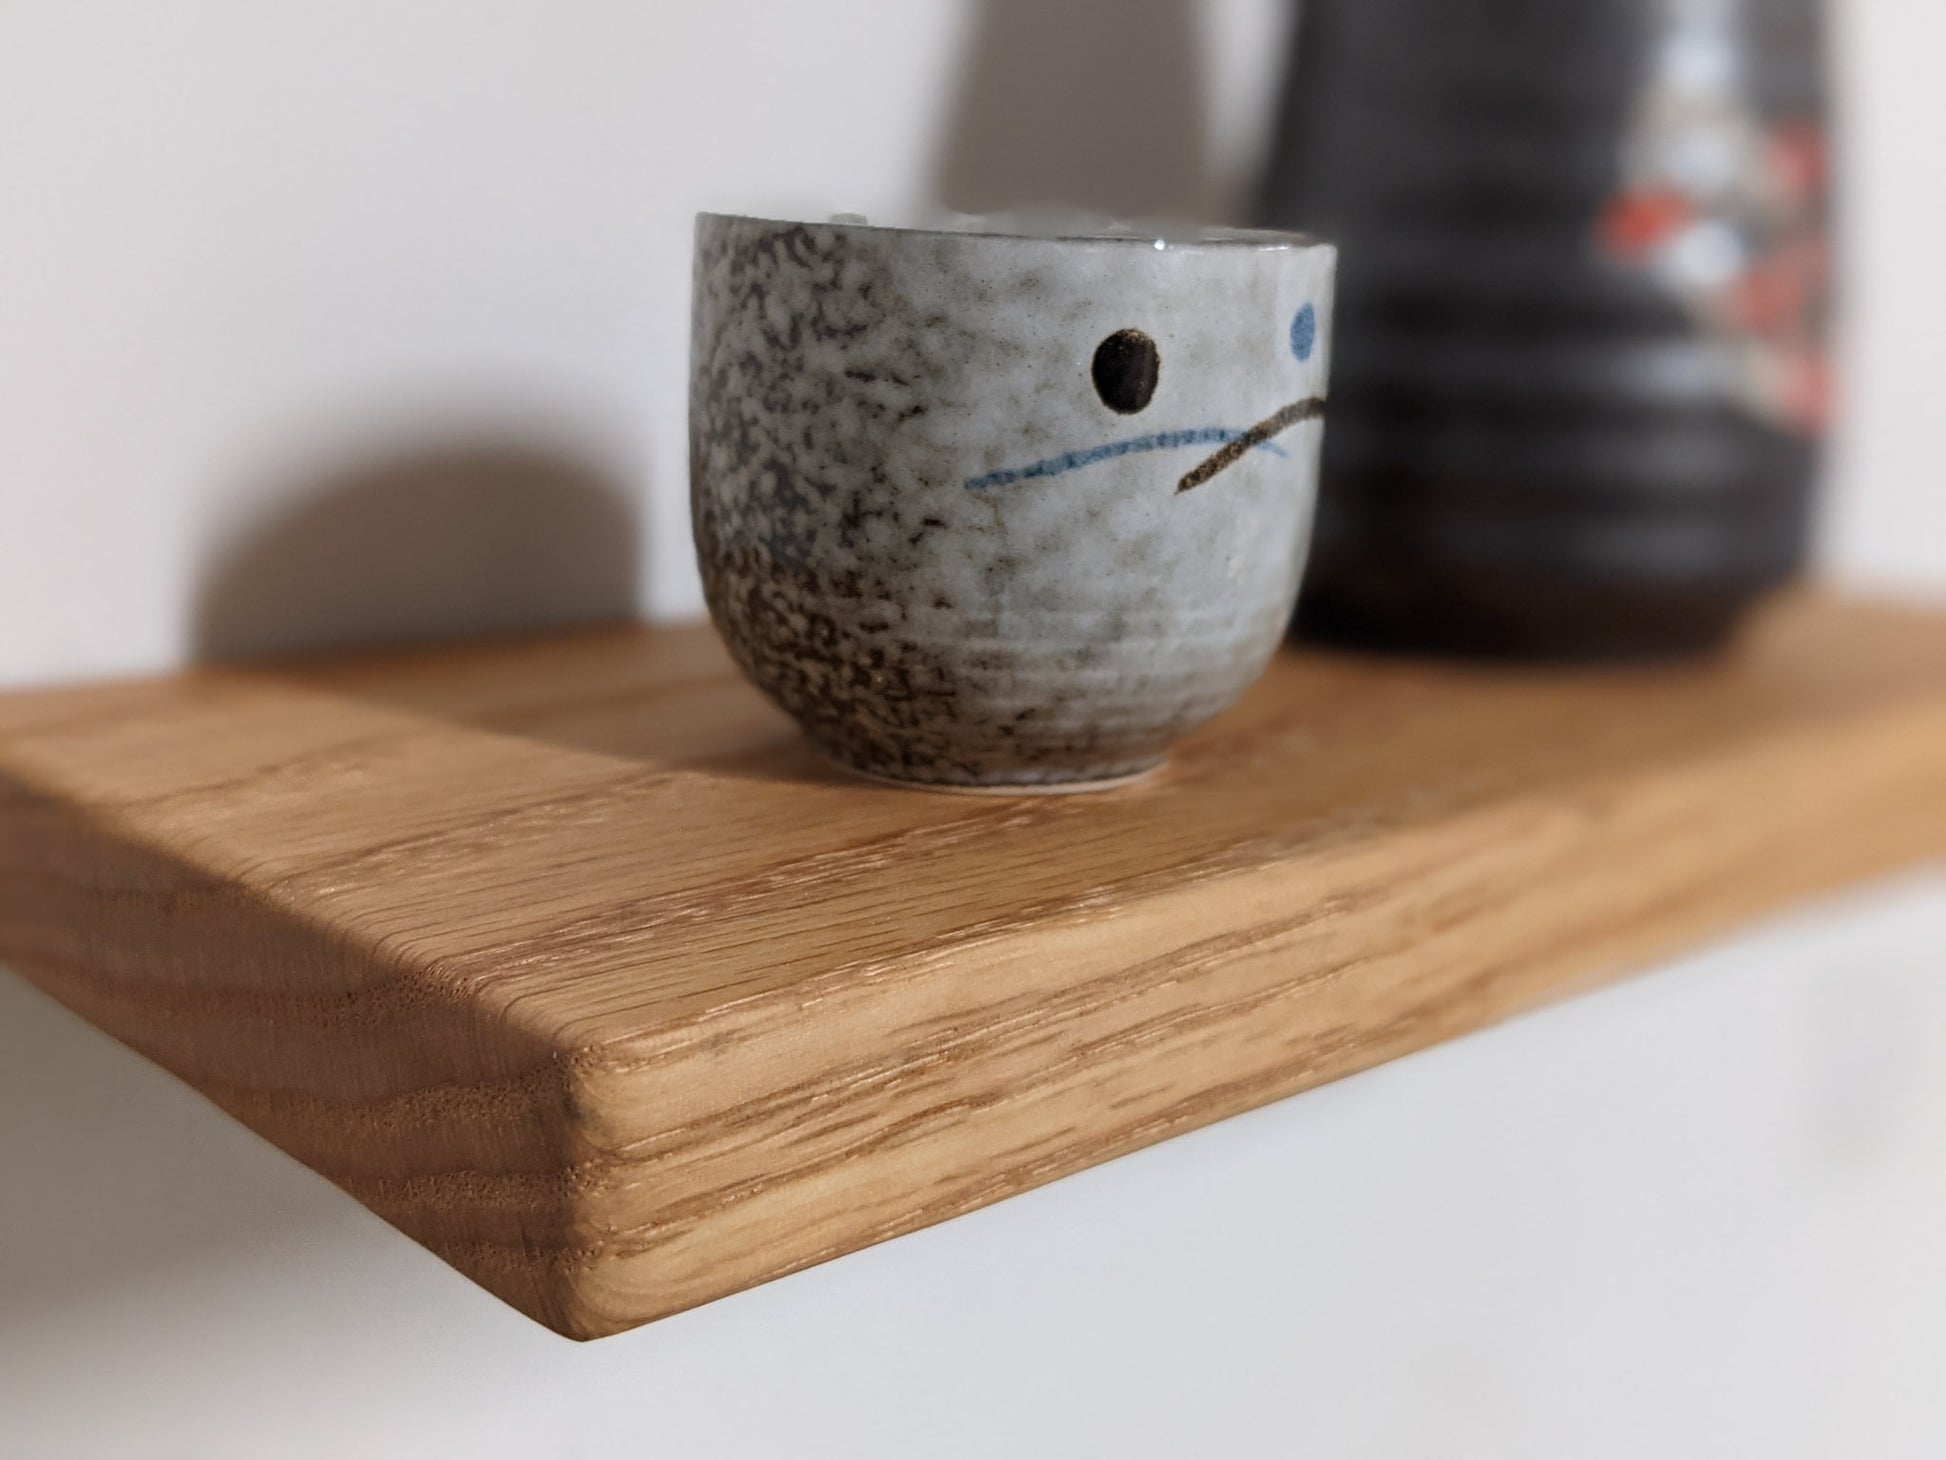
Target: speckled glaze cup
column 1001, row 512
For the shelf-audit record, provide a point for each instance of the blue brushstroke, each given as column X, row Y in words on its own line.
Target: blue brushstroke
column 1304, row 332
column 1054, row 466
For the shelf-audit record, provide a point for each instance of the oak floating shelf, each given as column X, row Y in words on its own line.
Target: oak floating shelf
column 566, row 957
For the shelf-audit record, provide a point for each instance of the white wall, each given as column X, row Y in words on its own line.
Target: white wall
column 258, row 257
column 1887, row 520
column 276, row 278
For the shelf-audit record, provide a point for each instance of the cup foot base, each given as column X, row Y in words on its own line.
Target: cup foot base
column 1029, row 788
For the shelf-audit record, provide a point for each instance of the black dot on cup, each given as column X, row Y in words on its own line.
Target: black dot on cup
column 1127, row 367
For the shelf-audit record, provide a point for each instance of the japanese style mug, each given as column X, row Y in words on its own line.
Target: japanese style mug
column 1003, row 511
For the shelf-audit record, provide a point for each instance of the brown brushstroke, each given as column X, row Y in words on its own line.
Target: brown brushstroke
column 1272, row 426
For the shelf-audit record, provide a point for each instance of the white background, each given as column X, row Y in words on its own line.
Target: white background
column 254, row 256
column 275, row 276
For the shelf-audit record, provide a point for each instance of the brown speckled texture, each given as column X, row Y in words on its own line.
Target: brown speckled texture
column 852, row 386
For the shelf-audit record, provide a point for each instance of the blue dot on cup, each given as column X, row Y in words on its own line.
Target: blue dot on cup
column 1304, row 332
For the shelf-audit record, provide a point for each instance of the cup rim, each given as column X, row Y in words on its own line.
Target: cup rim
column 1206, row 236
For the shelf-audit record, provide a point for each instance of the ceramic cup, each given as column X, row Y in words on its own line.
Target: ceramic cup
column 993, row 511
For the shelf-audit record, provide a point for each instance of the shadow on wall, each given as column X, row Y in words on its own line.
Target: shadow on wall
column 427, row 544
column 1094, row 104
column 113, row 1168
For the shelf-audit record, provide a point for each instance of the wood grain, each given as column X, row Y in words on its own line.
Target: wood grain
column 568, row 959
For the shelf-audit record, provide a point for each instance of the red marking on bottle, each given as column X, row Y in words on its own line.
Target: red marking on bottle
column 1635, row 224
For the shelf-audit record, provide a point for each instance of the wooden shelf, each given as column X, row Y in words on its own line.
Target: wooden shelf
column 566, row 957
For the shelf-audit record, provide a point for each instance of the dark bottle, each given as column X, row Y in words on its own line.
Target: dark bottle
column 1579, row 378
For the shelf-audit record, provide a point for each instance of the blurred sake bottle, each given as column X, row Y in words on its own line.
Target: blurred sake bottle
column 1580, row 375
